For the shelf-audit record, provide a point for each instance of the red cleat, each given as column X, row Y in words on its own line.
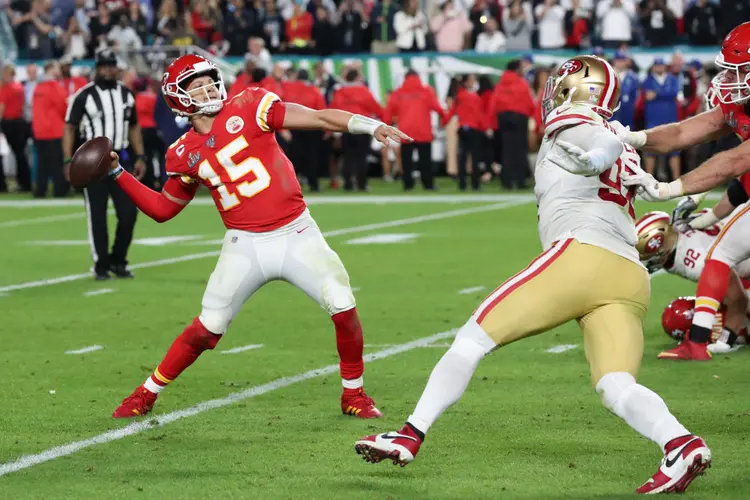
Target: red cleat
column 401, row 447
column 137, row 404
column 685, row 458
column 688, row 351
column 357, row 403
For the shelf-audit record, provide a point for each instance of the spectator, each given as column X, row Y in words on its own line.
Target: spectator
column 411, row 28
column 473, row 123
column 355, row 97
column 258, row 54
column 352, row 22
column 659, row 23
column 13, row 125
column 183, row 34
column 733, row 13
column 411, row 107
column 273, row 28
column 39, row 31
column 450, row 27
column 513, row 105
column 238, row 24
column 153, row 144
column 480, row 12
column 272, row 82
column 138, row 20
column 577, row 25
column 383, row 32
column 327, row 5
column 550, row 17
column 123, row 36
column 323, row 81
column 307, row 143
column 244, row 78
column 70, row 84
column 75, row 40
column 492, row 40
column 206, row 20
column 299, row 30
column 629, row 88
column 615, row 17
column 324, row 34
column 660, row 92
column 166, row 22
column 702, row 23
column 100, row 26
column 518, row 25
column 47, row 124
column 32, row 74
column 82, row 14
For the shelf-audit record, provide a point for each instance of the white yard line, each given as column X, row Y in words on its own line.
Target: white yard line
column 27, row 461
column 473, row 289
column 314, row 200
column 242, row 348
column 100, row 291
column 43, row 220
column 335, row 232
column 561, row 348
column 84, row 350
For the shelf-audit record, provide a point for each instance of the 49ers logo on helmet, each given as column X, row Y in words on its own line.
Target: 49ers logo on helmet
column 655, row 243
column 569, row 67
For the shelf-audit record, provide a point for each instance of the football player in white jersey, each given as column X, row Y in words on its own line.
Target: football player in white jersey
column 589, row 272
column 683, row 253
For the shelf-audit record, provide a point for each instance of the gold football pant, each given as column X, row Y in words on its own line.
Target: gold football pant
column 607, row 294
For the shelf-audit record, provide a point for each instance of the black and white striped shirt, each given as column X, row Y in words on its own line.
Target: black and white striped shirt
column 100, row 111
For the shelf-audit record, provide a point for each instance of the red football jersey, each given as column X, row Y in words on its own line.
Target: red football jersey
column 736, row 117
column 251, row 180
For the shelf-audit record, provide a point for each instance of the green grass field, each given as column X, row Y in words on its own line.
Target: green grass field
column 530, row 425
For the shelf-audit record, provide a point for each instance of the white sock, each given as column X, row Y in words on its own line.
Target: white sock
column 353, row 383
column 451, row 375
column 153, row 386
column 640, row 407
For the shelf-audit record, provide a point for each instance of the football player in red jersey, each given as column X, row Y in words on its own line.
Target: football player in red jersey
column 732, row 89
column 232, row 150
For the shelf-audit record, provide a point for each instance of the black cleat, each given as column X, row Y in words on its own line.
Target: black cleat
column 121, row 271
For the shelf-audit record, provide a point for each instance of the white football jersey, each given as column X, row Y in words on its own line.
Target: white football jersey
column 690, row 254
column 596, row 210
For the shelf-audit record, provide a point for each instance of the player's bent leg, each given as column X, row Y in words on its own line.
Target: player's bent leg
column 313, row 267
column 235, row 278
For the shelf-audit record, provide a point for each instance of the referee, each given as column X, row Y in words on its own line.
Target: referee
column 106, row 107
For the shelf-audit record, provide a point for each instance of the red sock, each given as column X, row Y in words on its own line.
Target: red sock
column 350, row 345
column 184, row 351
column 712, row 287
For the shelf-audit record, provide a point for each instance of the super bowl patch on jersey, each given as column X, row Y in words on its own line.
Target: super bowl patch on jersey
column 235, row 124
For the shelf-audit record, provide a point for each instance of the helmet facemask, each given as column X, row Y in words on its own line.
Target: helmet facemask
column 199, row 97
column 733, row 84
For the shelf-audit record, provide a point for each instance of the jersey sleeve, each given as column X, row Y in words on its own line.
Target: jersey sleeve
column 262, row 107
column 175, row 164
column 600, row 143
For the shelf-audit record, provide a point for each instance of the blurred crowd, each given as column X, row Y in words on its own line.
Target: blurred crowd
column 482, row 130
column 47, row 29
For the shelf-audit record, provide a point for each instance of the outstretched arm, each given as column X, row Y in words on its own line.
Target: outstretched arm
column 298, row 117
column 705, row 127
column 161, row 207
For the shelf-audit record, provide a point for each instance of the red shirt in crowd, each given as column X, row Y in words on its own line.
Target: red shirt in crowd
column 512, row 95
column 48, row 110
column 356, row 98
column 469, row 108
column 304, row 93
column 300, row 28
column 73, row 84
column 272, row 85
column 145, row 102
column 412, row 105
column 12, row 96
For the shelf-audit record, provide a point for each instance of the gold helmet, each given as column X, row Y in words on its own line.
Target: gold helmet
column 656, row 240
column 588, row 80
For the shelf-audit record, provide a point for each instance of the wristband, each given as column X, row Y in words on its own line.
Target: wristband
column 116, row 172
column 704, row 220
column 67, row 160
column 671, row 190
column 359, row 124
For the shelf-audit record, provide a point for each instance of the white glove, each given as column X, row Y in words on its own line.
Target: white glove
column 634, row 139
column 649, row 188
column 704, row 220
column 576, row 160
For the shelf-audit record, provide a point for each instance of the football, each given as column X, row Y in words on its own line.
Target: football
column 90, row 162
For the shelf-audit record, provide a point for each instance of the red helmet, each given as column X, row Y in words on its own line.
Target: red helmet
column 732, row 86
column 677, row 318
column 178, row 76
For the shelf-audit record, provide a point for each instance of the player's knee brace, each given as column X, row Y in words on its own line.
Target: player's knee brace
column 473, row 339
column 198, row 336
column 614, row 388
